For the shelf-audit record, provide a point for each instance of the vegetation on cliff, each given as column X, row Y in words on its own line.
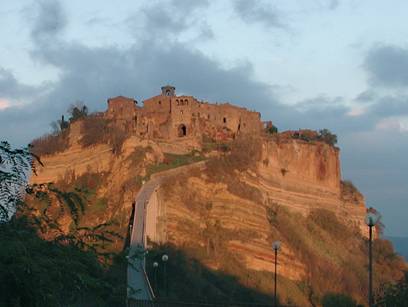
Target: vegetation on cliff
column 95, row 129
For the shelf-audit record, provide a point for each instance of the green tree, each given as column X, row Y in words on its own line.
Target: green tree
column 77, row 111
column 272, row 129
column 15, row 167
column 326, row 136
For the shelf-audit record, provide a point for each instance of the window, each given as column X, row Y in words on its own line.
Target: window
column 224, row 120
column 182, row 130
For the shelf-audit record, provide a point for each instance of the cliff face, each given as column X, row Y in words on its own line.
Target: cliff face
column 298, row 165
column 304, row 176
column 287, row 195
column 228, row 214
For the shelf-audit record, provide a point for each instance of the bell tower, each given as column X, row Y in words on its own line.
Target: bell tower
column 168, row 90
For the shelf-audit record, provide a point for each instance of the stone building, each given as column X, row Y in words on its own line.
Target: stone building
column 171, row 117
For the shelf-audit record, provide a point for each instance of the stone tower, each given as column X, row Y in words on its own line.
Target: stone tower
column 168, row 90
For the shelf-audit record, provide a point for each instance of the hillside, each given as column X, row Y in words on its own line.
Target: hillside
column 218, row 221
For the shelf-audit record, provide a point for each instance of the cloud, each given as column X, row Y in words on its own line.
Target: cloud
column 333, row 4
column 366, row 96
column 50, row 20
column 167, row 20
column 320, row 102
column 12, row 90
column 4, row 104
column 253, row 11
column 9, row 86
column 391, row 105
column 393, row 123
column 387, row 66
column 188, row 6
column 357, row 111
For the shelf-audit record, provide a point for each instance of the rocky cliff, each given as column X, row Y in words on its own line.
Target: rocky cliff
column 226, row 216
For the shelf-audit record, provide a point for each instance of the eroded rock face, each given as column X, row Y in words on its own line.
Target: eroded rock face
column 299, row 165
column 222, row 216
column 292, row 175
column 304, row 176
column 311, row 180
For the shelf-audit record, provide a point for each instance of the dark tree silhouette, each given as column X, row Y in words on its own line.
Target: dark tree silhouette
column 77, row 111
column 69, row 268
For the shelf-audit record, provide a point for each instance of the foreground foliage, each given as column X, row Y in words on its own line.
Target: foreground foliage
column 41, row 262
column 37, row 272
column 338, row 300
column 395, row 294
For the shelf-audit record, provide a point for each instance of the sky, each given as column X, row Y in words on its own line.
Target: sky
column 341, row 65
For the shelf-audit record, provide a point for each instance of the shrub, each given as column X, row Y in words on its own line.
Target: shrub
column 348, row 186
column 51, row 143
column 245, row 152
column 138, row 155
column 326, row 136
column 244, row 190
column 116, row 139
column 328, row 221
column 94, row 130
column 338, row 300
column 323, row 135
column 173, row 161
column 395, row 294
column 77, row 111
column 272, row 129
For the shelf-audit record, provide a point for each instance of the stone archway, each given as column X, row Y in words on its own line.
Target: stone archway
column 182, row 130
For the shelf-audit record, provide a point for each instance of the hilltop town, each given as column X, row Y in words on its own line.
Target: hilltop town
column 215, row 185
column 168, row 116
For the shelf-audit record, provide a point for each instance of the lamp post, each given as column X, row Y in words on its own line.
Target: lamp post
column 165, row 258
column 371, row 220
column 155, row 265
column 276, row 246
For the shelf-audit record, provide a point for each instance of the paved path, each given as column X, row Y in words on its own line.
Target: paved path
column 138, row 283
column 137, row 279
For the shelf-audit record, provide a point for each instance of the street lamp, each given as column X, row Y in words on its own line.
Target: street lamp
column 371, row 220
column 165, row 258
column 276, row 246
column 155, row 265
